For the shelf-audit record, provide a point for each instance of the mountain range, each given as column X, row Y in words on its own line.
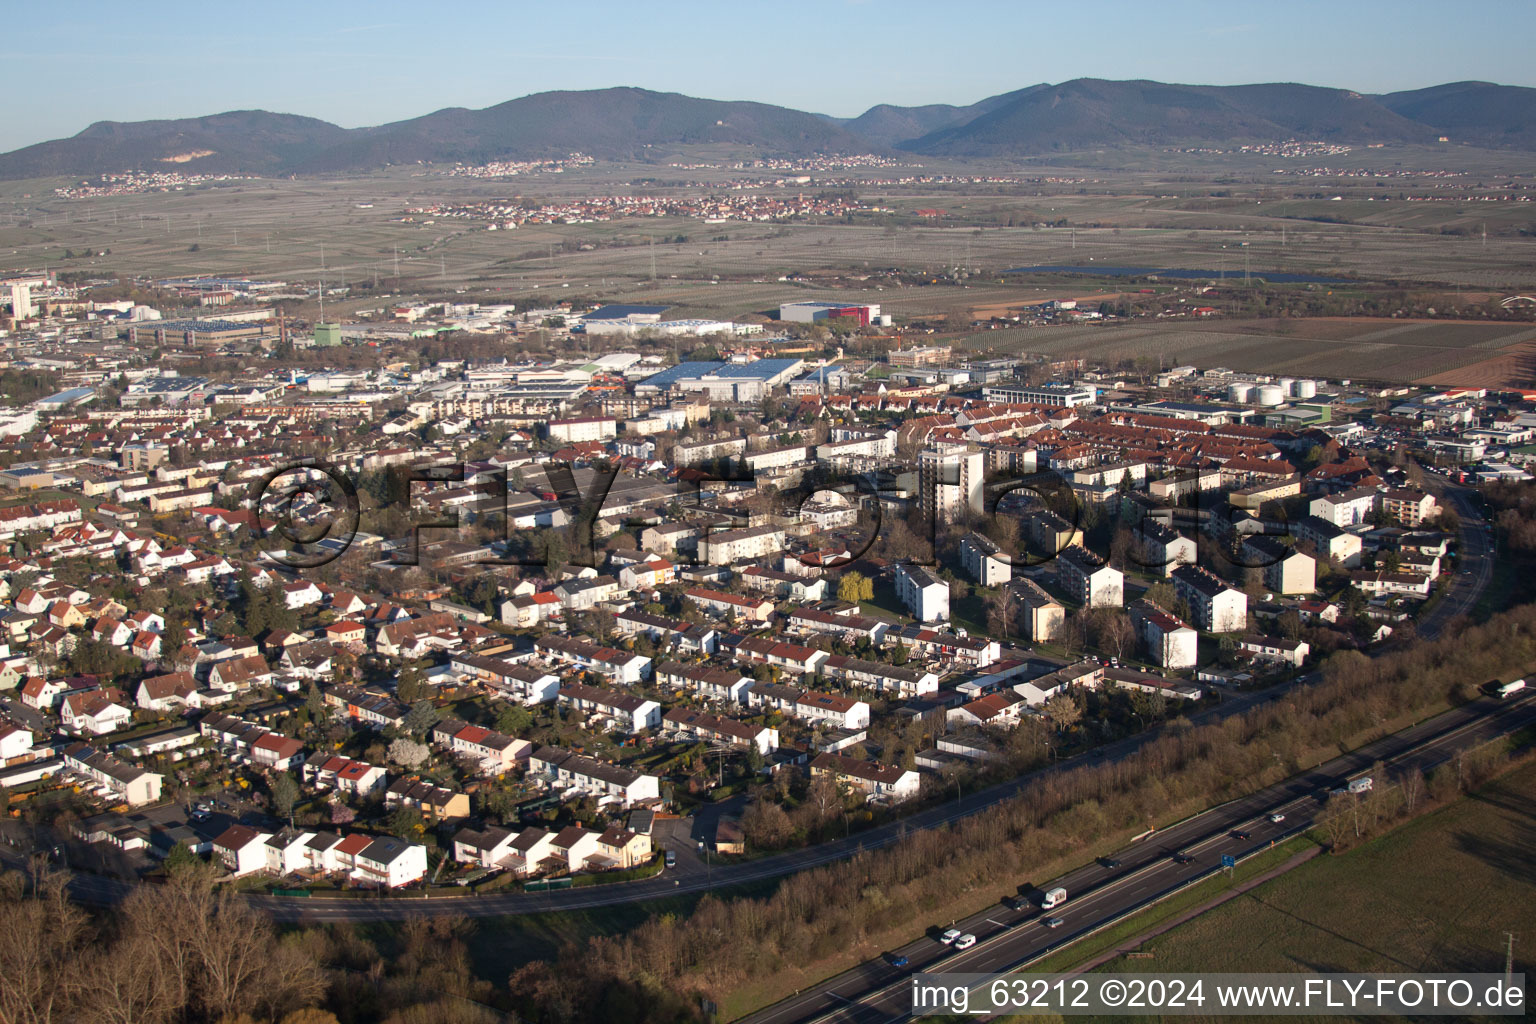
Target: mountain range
column 627, row 123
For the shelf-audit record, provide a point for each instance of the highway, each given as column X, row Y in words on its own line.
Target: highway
column 875, row 991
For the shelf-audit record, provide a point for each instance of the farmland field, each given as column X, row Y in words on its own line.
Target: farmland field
column 1436, row 894
column 352, row 231
column 1323, row 347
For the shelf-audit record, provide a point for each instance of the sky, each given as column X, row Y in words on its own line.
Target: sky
column 65, row 66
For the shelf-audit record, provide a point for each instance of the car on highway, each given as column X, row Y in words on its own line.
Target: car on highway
column 1109, row 862
column 671, row 859
column 1238, row 833
column 896, row 960
column 1016, row 903
column 1182, row 858
column 965, row 941
column 950, row 935
column 1277, row 818
column 1053, row 922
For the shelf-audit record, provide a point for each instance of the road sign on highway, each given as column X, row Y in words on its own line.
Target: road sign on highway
column 1228, row 861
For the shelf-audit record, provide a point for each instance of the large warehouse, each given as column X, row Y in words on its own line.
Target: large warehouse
column 863, row 313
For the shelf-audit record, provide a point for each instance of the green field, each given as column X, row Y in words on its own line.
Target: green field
column 1436, row 894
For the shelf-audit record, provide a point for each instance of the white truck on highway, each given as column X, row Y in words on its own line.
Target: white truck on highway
column 1053, row 898
column 1504, row 691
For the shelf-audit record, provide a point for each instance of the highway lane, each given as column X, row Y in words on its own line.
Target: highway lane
column 875, row 991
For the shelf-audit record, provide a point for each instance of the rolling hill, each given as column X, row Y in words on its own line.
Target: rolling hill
column 1090, row 113
column 1481, row 113
column 629, row 123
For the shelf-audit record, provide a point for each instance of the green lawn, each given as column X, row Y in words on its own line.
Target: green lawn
column 1436, row 894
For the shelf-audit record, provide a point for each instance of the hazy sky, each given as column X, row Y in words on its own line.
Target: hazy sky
column 64, row 66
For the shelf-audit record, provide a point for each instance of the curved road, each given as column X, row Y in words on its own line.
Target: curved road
column 1460, row 598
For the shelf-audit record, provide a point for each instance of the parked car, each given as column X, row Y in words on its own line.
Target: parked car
column 949, row 936
column 671, row 859
column 965, row 941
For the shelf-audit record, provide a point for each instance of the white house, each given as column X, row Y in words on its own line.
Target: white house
column 925, row 595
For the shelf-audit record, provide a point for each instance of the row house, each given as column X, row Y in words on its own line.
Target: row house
column 522, row 683
column 963, row 650
column 835, row 710
column 495, row 752
column 575, row 848
column 904, row 681
column 648, row 575
column 383, row 861
column 610, row 783
column 667, row 632
column 1380, row 583
column 371, row 709
column 1275, row 649
column 127, row 783
column 880, row 783
column 352, row 778
column 783, row 585
column 691, row 723
column 1002, row 710
column 788, row 657
column 725, row 685
column 528, row 610
column 436, row 803
column 849, row 627
column 724, row 605
column 629, row 713
column 620, row 667
column 585, row 593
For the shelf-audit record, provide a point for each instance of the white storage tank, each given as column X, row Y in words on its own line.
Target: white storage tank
column 1286, row 383
column 1305, row 389
column 1241, row 393
column 1271, row 395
